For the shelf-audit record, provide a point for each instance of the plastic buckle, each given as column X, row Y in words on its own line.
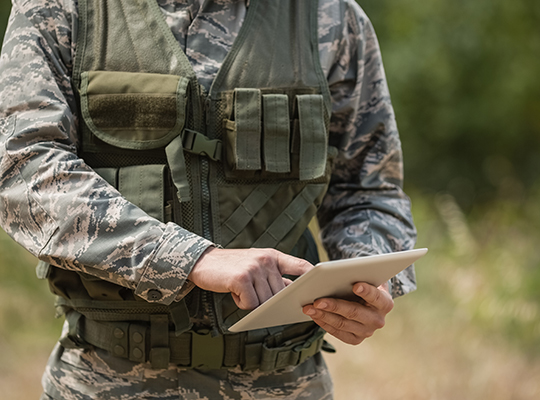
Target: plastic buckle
column 197, row 143
column 206, row 351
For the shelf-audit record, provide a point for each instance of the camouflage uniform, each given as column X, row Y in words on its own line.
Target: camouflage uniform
column 54, row 205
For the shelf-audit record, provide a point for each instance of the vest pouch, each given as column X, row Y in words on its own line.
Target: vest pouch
column 276, row 136
column 243, row 135
column 142, row 185
column 312, row 135
column 138, row 111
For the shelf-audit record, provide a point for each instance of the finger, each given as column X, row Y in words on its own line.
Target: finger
column 346, row 337
column 275, row 280
column 292, row 265
column 348, row 309
column 351, row 333
column 247, row 299
column 358, row 318
column 286, row 281
column 335, row 321
column 263, row 289
column 375, row 297
column 356, row 336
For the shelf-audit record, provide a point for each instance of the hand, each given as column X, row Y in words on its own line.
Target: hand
column 349, row 321
column 252, row 276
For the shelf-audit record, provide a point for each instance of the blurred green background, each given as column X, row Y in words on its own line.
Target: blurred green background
column 464, row 79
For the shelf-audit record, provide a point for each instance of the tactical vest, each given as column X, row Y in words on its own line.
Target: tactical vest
column 244, row 165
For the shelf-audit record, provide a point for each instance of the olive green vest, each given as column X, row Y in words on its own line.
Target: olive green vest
column 245, row 165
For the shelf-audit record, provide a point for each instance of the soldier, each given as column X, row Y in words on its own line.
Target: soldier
column 163, row 159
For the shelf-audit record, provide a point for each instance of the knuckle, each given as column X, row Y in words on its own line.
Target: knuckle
column 368, row 334
column 266, row 257
column 330, row 329
column 379, row 323
column 243, row 277
column 340, row 324
column 253, row 269
column 350, row 338
column 331, row 306
column 376, row 296
column 352, row 314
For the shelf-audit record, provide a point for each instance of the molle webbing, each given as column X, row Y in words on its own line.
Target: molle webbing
column 153, row 342
column 245, row 212
column 283, row 224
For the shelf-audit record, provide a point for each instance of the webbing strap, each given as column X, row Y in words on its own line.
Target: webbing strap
column 313, row 142
column 276, row 133
column 248, row 129
column 72, row 338
column 160, row 353
column 113, row 311
column 245, row 212
column 191, row 350
column 289, row 217
column 177, row 165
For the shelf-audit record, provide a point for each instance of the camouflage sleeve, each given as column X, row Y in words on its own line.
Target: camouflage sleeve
column 50, row 201
column 365, row 211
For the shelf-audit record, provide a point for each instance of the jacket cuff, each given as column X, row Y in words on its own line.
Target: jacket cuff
column 171, row 263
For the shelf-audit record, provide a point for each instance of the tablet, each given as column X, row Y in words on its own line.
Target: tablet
column 326, row 279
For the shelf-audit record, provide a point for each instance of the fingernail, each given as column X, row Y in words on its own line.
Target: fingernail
column 322, row 305
column 359, row 290
column 310, row 311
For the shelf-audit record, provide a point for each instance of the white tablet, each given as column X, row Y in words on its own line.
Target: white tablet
column 326, row 279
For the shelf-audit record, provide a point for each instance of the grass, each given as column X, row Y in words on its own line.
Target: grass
column 471, row 331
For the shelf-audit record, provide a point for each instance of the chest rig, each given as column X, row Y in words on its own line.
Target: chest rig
column 244, row 165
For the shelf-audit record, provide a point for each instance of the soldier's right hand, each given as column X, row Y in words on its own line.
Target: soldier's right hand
column 252, row 276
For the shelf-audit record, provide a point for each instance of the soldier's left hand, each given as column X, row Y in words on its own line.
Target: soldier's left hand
column 349, row 321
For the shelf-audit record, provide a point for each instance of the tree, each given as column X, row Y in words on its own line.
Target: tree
column 465, row 85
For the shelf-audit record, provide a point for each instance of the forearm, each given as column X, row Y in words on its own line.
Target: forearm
column 51, row 202
column 365, row 210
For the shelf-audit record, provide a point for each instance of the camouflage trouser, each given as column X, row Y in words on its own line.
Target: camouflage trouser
column 77, row 374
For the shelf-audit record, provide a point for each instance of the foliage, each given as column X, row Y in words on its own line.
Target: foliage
column 482, row 270
column 465, row 85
